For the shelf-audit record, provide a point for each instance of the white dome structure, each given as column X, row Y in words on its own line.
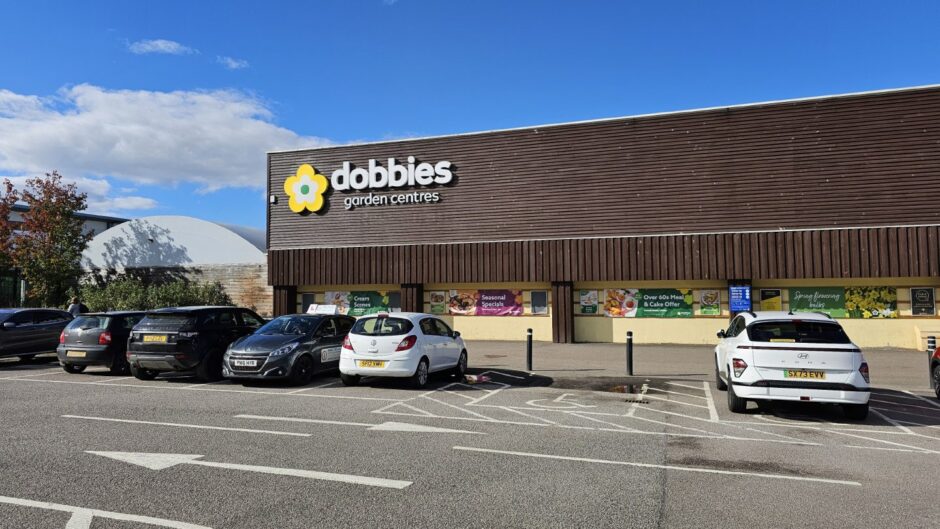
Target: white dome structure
column 173, row 241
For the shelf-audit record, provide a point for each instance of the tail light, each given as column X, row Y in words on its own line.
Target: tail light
column 739, row 366
column 104, row 338
column 407, row 343
column 62, row 336
column 863, row 369
column 347, row 345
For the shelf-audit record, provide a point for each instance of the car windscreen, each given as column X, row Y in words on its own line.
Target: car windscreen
column 169, row 319
column 89, row 322
column 795, row 331
column 290, row 325
column 382, row 326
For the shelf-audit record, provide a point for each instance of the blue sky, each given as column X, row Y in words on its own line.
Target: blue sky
column 169, row 107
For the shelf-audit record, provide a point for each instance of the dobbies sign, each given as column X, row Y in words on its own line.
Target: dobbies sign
column 307, row 189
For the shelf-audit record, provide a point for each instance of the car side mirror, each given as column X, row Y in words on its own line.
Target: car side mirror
column 721, row 333
column 455, row 334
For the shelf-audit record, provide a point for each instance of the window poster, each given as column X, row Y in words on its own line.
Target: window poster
column 830, row 300
column 923, row 302
column 438, row 302
column 771, row 299
column 710, row 303
column 485, row 303
column 588, row 303
column 871, row 302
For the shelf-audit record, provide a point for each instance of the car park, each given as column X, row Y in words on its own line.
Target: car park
column 791, row 356
column 28, row 332
column 294, row 347
column 401, row 344
column 98, row 338
column 187, row 339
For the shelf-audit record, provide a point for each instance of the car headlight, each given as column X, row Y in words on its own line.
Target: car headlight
column 281, row 351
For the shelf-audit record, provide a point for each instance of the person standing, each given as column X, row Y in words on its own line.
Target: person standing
column 76, row 308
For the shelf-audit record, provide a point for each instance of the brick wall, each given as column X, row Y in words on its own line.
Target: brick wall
column 246, row 284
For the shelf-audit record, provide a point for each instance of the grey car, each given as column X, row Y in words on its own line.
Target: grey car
column 28, row 332
column 294, row 347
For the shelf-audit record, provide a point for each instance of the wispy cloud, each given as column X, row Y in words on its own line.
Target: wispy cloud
column 232, row 63
column 163, row 46
column 389, row 2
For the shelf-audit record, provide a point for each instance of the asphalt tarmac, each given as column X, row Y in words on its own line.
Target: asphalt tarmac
column 100, row 451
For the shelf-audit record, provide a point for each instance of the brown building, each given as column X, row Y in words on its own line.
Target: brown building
column 582, row 231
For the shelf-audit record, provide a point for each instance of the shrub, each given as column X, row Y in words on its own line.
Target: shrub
column 127, row 293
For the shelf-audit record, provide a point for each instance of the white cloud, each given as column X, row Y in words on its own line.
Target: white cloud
column 169, row 47
column 389, row 2
column 101, row 198
column 214, row 139
column 232, row 63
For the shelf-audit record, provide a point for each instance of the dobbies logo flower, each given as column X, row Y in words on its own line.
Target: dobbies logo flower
column 306, row 189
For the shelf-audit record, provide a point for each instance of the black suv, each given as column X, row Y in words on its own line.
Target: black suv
column 187, row 339
column 28, row 332
column 97, row 338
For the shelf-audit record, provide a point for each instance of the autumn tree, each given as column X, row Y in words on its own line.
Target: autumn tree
column 8, row 197
column 48, row 246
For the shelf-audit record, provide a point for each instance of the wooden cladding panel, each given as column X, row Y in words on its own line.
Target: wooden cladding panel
column 562, row 312
column 855, row 253
column 285, row 300
column 860, row 160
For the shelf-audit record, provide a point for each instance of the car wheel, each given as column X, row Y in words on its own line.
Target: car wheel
column 460, row 370
column 302, row 372
column 350, row 380
column 735, row 403
column 210, row 369
column 936, row 379
column 420, row 378
column 26, row 358
column 143, row 374
column 856, row 412
column 72, row 368
column 719, row 383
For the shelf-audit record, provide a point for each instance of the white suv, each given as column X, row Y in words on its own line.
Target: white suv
column 791, row 356
column 401, row 344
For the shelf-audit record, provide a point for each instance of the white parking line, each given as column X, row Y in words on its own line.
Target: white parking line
column 300, row 419
column 903, row 405
column 678, row 393
column 44, row 373
column 202, row 388
column 664, row 467
column 180, row 425
column 654, row 397
column 82, row 517
column 928, row 401
column 681, row 385
column 643, row 389
column 712, row 412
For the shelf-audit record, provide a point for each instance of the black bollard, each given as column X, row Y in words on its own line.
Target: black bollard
column 528, row 350
column 629, row 353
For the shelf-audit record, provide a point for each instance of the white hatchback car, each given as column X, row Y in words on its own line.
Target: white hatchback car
column 791, row 356
column 401, row 344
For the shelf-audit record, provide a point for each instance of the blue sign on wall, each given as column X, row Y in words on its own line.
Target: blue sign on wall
column 740, row 299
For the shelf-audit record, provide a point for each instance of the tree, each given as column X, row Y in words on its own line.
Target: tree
column 48, row 246
column 8, row 197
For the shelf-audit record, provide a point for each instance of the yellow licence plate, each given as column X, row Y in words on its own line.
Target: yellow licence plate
column 804, row 373
column 75, row 354
column 371, row 363
column 155, row 338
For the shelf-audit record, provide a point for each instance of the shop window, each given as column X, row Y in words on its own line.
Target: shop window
column 539, row 302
